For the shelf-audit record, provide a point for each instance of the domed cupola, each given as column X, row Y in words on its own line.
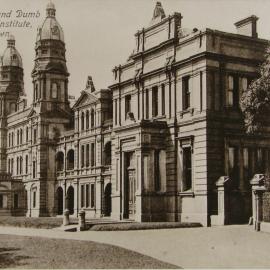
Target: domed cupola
column 50, row 74
column 11, row 56
column 50, row 29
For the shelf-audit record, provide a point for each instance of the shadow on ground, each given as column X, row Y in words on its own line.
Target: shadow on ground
column 9, row 259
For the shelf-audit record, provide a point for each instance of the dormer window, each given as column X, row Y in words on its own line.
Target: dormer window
column 54, row 90
column 14, row 57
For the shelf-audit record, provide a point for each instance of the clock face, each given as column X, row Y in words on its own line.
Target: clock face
column 55, row 30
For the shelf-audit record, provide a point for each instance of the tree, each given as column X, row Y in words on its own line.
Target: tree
column 255, row 100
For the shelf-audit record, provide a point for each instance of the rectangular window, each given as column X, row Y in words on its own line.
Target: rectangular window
column 155, row 101
column 93, row 162
column 26, row 164
column 82, row 156
column 247, row 165
column 82, row 195
column 16, row 201
column 260, row 160
column 163, row 99
column 115, row 111
column 187, row 168
column 244, row 84
column 21, row 165
column 157, row 171
column 34, row 199
column 12, row 165
column 1, row 201
column 26, row 134
column 34, row 169
column 18, row 137
column 146, row 104
column 92, row 195
column 35, row 135
column 87, row 155
column 87, row 196
column 233, row 166
column 233, row 91
column 186, row 92
column 18, row 166
column 201, row 90
column 127, row 105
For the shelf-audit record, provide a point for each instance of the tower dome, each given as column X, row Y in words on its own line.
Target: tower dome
column 50, row 28
column 11, row 56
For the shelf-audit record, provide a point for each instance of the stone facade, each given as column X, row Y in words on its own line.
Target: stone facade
column 150, row 147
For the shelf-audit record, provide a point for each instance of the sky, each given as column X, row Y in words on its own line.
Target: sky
column 99, row 34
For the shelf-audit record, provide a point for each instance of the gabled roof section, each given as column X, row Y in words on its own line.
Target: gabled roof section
column 31, row 113
column 85, row 99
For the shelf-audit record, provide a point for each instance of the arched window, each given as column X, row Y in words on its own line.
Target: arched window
column 59, row 161
column 107, row 154
column 92, row 118
column 87, row 119
column 54, row 90
column 82, row 121
column 9, row 139
column 12, row 107
column 70, row 159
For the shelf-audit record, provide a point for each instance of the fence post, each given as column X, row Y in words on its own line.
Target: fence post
column 82, row 224
column 256, row 182
column 258, row 192
column 221, row 217
column 66, row 218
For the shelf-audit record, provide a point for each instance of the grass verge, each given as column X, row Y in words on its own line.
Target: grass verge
column 142, row 226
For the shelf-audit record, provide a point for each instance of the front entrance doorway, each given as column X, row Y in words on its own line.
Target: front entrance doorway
column 239, row 206
column 60, row 195
column 70, row 200
column 108, row 200
column 129, row 187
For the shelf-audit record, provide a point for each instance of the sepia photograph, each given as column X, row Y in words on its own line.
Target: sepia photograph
column 134, row 134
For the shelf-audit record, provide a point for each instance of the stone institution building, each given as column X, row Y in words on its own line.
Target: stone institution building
column 150, row 147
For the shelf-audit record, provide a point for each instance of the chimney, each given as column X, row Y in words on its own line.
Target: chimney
column 247, row 26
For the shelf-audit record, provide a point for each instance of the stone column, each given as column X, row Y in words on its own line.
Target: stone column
column 256, row 182
column 98, row 197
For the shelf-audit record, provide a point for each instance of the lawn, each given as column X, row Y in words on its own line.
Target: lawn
column 40, row 222
column 37, row 253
